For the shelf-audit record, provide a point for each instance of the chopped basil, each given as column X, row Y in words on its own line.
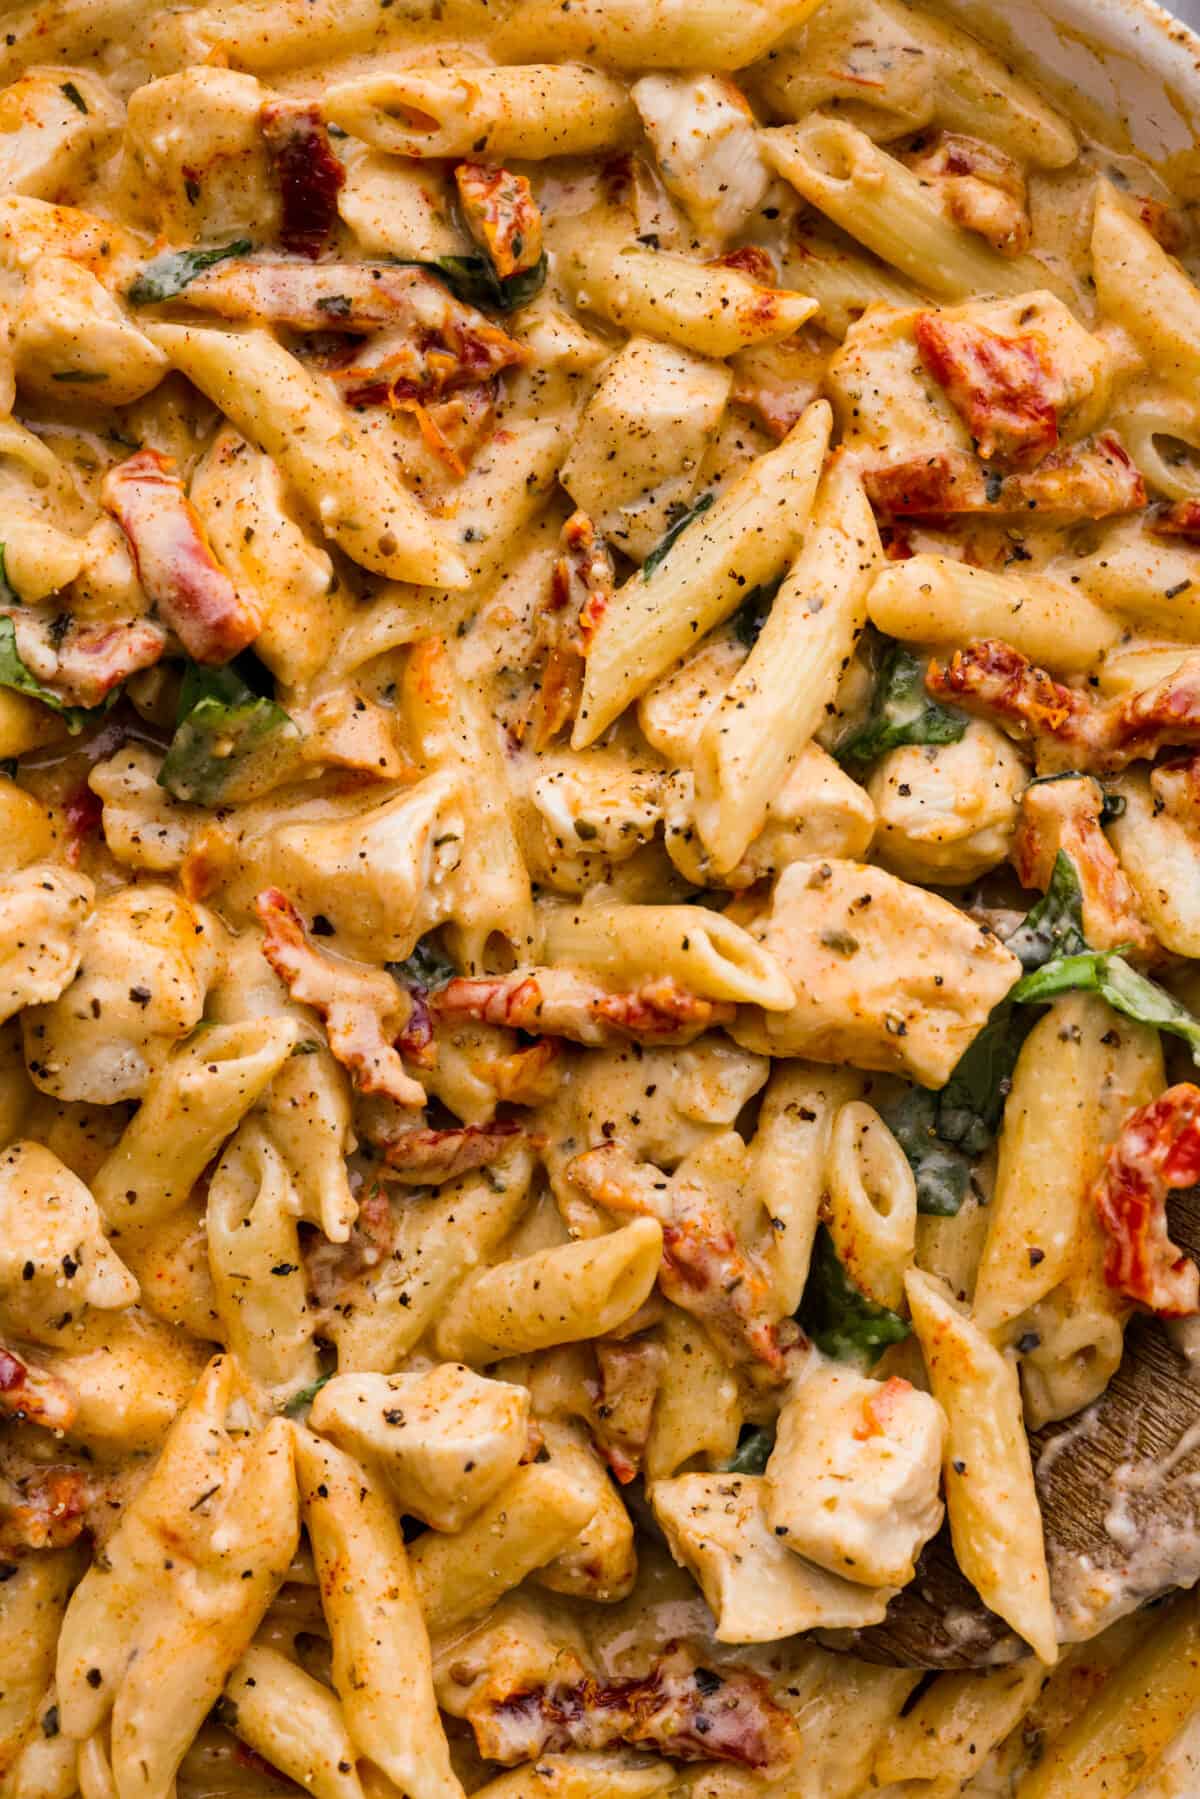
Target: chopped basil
column 230, row 743
column 670, row 536
column 1107, row 973
column 902, row 712
column 754, row 611
column 753, row 1451
column 473, row 280
column 1054, row 927
column 171, row 272
column 971, row 1104
column 73, row 95
column 7, row 595
column 426, row 967
column 15, row 675
column 942, row 1172
column 839, row 1318
column 79, row 375
column 300, row 1402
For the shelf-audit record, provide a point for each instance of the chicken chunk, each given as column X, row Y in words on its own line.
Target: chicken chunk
column 446, row 1440
column 853, row 1481
column 716, row 1526
column 887, row 976
column 636, row 457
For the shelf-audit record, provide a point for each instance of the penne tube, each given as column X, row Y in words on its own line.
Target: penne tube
column 560, row 1295
column 872, row 1203
column 1147, row 292
column 1077, row 1077
column 531, row 1520
column 582, row 1775
column 193, row 1102
column 790, row 1157
column 529, row 111
column 991, row 1500
column 783, row 691
column 382, row 1671
column 649, row 34
column 882, row 204
column 705, row 953
column 743, row 540
column 1111, row 1745
column 278, row 405
column 293, row 1721
column 841, row 279
column 257, row 1268
column 936, row 600
column 439, row 1238
column 955, row 1722
column 701, row 306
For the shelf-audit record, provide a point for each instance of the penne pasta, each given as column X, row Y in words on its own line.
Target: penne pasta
column 743, row 540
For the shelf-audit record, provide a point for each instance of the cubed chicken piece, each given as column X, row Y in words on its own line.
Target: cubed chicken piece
column 399, row 208
column 42, row 913
column 705, row 142
column 446, row 1441
column 636, row 456
column 887, row 975
column 142, row 825
column 71, row 337
column 819, row 811
column 55, row 1260
column 947, row 812
column 146, row 960
column 55, row 125
column 596, row 803
column 382, row 877
column 1013, row 377
column 853, row 1481
column 198, row 163
column 716, row 1527
column 660, row 1103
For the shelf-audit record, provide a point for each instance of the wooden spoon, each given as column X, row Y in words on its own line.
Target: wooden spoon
column 1119, row 1486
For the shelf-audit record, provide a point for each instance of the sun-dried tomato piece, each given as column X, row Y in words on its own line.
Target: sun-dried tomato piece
column 502, row 216
column 363, row 1009
column 310, row 176
column 1157, row 1152
column 1002, row 388
column 174, row 561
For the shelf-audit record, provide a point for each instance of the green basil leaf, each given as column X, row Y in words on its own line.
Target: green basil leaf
column 230, row 743
column 971, row 1104
column 942, row 1173
column 840, row 1319
column 1054, row 927
column 299, row 1403
column 754, row 611
column 902, row 712
column 171, row 272
column 1107, row 973
column 7, row 595
column 675, row 531
column 753, row 1451
column 427, row 967
column 473, row 280
column 14, row 674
